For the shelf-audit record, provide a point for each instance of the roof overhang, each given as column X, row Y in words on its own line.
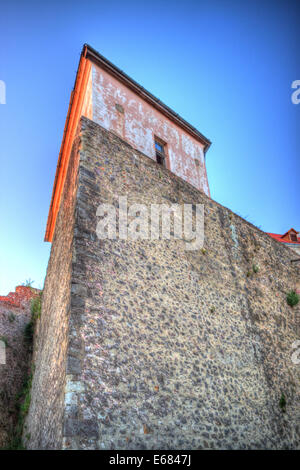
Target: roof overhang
column 73, row 116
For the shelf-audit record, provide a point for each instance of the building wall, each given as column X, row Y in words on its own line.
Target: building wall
column 87, row 105
column 45, row 418
column 120, row 110
column 168, row 348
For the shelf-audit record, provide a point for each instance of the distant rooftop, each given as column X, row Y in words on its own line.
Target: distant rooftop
column 291, row 236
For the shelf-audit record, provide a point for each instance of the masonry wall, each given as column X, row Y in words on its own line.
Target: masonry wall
column 295, row 248
column 15, row 365
column 44, row 421
column 168, row 348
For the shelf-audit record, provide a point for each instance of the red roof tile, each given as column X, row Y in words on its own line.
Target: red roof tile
column 278, row 237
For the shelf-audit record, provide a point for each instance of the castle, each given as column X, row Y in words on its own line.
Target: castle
column 142, row 344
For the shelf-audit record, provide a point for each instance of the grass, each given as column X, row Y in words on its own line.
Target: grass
column 28, row 283
column 255, row 268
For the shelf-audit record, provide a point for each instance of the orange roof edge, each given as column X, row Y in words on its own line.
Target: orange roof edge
column 89, row 55
column 72, row 119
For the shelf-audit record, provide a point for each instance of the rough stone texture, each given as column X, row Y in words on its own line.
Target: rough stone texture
column 295, row 248
column 167, row 348
column 44, row 421
column 14, row 316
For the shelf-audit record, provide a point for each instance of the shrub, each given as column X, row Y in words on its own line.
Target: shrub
column 36, row 306
column 29, row 331
column 292, row 298
column 282, row 403
column 4, row 340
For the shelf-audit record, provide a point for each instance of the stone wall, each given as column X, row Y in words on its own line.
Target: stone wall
column 167, row 348
column 44, row 421
column 14, row 316
column 295, row 248
column 20, row 298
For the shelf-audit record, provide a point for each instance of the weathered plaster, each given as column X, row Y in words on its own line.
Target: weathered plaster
column 140, row 122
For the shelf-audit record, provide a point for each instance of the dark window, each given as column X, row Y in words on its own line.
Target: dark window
column 159, row 147
column 119, row 108
column 160, row 153
column 293, row 237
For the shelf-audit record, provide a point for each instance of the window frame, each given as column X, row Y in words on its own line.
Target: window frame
column 158, row 154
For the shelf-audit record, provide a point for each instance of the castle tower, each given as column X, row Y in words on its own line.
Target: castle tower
column 144, row 343
column 109, row 97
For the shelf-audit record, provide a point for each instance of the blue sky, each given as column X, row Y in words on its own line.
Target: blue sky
column 225, row 66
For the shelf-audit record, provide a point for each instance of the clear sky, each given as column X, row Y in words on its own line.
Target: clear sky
column 225, row 66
